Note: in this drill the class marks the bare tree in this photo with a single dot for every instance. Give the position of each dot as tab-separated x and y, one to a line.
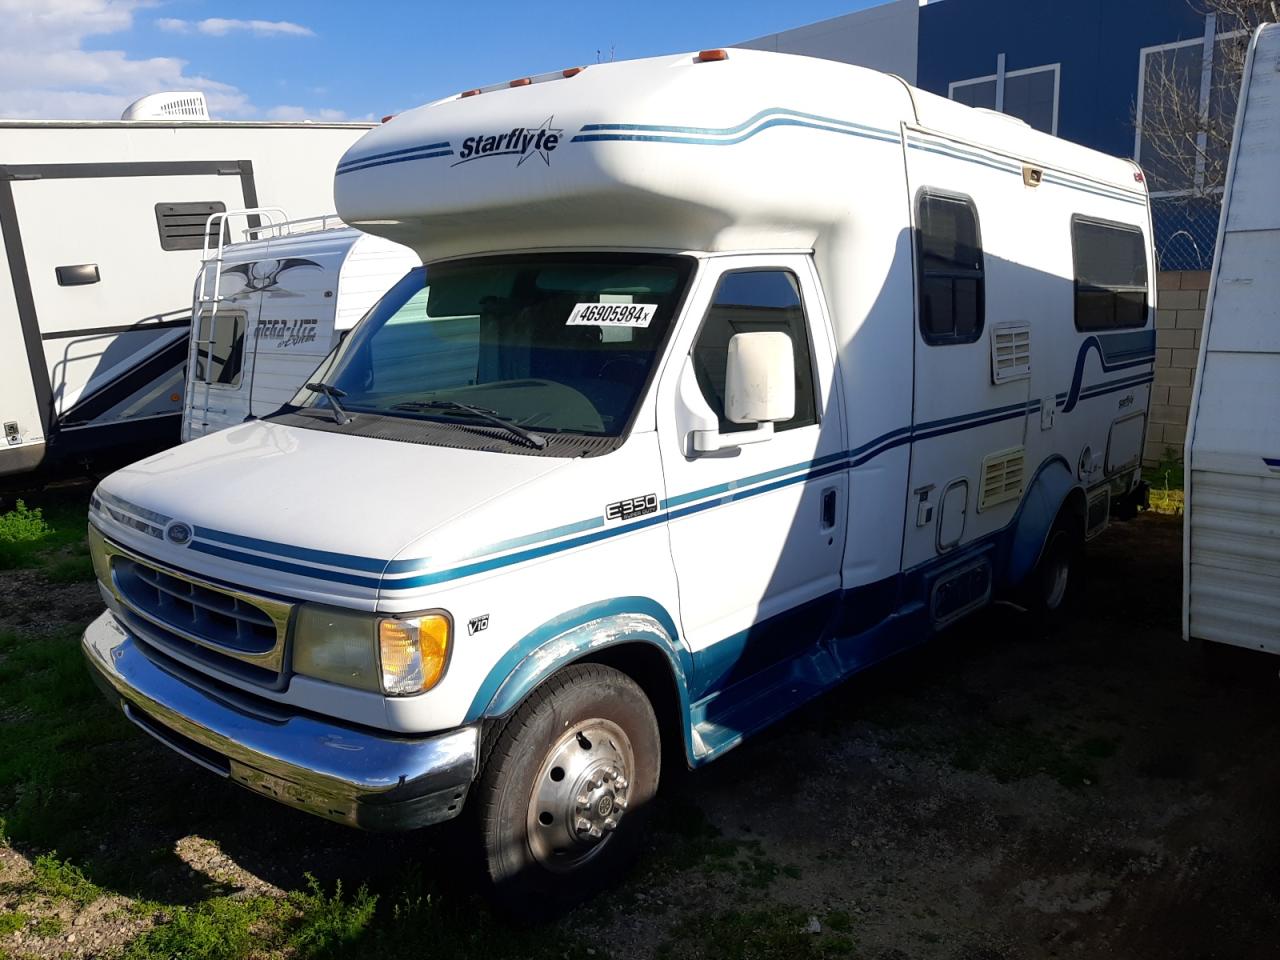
1189	100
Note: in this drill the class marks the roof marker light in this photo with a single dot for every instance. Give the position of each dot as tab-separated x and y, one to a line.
522	82
1139	177
572	72
389	116
711	56
469	93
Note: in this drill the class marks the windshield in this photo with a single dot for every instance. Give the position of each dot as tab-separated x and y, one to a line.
556	343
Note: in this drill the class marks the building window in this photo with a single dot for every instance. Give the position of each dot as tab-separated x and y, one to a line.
1185	109
1110	275
949	269
1030	95
748	301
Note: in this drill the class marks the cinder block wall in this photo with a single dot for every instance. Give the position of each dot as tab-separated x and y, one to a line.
1180	300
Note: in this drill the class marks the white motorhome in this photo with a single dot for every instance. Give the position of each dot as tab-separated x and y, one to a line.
1231	561
102	228
272	307
725	376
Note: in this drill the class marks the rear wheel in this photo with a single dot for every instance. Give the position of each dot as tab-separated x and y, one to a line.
1050	587
564	789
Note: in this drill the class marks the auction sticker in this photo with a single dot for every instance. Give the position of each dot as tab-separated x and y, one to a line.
612	314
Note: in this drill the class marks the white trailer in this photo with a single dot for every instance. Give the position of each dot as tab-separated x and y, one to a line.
1231	550
102	229
272	307
724	377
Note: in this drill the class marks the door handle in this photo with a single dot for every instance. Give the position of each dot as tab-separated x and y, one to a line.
828	508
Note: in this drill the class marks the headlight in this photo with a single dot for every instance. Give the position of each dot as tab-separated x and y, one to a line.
399	656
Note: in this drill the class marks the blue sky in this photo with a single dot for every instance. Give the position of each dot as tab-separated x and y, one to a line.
293	60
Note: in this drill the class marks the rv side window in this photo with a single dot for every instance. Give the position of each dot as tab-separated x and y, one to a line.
220	352
950	269
754	300
1111	275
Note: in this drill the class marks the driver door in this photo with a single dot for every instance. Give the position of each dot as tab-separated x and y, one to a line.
757	530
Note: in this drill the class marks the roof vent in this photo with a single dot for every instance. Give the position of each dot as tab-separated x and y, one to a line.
173	105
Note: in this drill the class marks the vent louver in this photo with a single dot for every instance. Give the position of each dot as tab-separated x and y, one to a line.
1010	352
1003	474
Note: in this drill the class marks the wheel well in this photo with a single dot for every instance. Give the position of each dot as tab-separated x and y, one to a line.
647	666
1073	511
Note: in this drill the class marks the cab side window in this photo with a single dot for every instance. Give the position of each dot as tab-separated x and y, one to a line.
748	301
949	265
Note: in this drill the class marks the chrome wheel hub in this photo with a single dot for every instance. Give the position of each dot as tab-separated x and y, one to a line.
1056	588
580	794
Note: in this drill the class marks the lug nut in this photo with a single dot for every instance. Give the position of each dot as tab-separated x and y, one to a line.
583	825
610	823
596	833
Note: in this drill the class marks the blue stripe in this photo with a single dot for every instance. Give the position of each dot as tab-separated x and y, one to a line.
383	163
729	131
1126	345
1274	464
354	161
777	122
967	157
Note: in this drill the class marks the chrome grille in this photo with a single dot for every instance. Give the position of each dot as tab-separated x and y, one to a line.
228	630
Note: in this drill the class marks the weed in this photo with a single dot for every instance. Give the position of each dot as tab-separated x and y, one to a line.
224	928
22	530
77	569
329	922
840	921
11	921
61	880
49	927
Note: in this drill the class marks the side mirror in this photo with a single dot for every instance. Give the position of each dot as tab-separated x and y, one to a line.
760	388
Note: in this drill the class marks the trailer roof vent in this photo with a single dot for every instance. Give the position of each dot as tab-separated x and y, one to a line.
174	105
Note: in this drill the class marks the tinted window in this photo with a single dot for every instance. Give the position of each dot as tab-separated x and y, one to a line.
949	261
747	301
1111	275
220	350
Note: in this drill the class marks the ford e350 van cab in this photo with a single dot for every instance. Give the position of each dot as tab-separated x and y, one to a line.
725	376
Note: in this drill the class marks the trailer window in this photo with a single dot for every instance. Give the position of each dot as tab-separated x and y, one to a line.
220	348
1110	275
745	301
949	265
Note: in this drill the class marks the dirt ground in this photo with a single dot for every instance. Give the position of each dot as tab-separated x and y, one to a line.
1102	790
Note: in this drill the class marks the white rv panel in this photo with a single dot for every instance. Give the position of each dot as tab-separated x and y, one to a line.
1231	574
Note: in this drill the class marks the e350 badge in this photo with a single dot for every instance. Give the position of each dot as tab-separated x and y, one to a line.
632	507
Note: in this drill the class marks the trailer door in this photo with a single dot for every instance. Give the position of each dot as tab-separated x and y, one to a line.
108	254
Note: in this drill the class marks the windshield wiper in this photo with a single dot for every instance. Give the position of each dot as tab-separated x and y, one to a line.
333	394
537	441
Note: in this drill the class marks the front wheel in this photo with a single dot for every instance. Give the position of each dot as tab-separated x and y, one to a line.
564	789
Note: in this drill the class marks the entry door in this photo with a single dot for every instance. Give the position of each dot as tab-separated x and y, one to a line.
757	531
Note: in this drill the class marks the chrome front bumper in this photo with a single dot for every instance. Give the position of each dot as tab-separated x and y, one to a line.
358	777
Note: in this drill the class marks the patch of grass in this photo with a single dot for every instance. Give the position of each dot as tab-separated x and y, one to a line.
49	927
61	880
75	569
759	934
23	531
224	928
328	922
1012	751
53	721
12	920
840	921
1166	480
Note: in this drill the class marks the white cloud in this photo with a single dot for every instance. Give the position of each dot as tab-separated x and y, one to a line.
46	72
219	27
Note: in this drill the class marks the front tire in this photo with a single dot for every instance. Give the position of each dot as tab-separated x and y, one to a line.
564	790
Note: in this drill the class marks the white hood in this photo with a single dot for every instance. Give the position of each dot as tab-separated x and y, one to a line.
302	504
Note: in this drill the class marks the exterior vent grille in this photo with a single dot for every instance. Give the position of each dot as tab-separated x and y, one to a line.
1003	474
182	225
1010	352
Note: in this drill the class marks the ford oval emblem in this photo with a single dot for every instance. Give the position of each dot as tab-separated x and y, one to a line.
178	533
